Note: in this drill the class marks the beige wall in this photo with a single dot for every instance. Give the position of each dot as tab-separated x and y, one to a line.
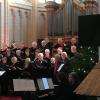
19	22
2	23
23	21
15	22
40	20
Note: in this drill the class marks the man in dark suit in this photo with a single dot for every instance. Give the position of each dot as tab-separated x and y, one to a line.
41	65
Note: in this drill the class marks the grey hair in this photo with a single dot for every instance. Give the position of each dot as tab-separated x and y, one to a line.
34	43
47	50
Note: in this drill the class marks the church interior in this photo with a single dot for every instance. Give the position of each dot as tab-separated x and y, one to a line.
47	48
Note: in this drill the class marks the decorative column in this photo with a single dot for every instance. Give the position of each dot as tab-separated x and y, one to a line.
46	24
5	22
64	20
27	27
73	5
91	6
20	24
13	24
51	7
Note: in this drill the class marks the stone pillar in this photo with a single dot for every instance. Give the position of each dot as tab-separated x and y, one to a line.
64	20
34	20
46	24
27	27
73	5
2	23
5	22
13	23
20	24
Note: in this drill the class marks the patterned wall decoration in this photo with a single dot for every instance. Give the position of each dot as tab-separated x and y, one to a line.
19	24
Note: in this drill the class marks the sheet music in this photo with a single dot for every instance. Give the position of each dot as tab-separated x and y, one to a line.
60	67
24	85
2	72
45	83
50	82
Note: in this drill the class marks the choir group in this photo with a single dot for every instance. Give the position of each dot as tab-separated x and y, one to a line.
40	60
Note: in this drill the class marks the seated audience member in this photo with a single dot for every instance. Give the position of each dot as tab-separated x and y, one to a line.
67	86
73	83
63	91
73	79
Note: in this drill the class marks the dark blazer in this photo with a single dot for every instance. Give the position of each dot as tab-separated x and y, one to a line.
66	67
41	67
15	70
65	90
32	51
27	71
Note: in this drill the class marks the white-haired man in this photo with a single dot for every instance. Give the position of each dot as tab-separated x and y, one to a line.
41	65
33	49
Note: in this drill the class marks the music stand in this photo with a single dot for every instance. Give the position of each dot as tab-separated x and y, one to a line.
60	67
50	82
45	84
24	85
2	72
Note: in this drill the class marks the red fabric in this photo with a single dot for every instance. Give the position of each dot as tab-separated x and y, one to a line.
21	46
10	98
